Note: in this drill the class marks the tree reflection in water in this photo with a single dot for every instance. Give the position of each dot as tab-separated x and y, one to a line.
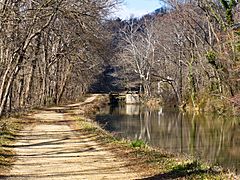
212	138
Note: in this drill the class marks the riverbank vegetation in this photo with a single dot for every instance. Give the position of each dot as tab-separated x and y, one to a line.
186	53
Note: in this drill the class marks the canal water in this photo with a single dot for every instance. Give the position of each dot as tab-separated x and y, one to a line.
214	139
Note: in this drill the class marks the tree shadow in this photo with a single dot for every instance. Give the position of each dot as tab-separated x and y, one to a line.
181	171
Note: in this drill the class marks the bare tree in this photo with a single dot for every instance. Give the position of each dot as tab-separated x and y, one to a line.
41	41
139	51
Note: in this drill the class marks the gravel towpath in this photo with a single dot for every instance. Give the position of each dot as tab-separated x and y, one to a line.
51	149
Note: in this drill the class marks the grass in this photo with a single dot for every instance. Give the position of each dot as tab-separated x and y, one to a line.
138	143
153	162
8	129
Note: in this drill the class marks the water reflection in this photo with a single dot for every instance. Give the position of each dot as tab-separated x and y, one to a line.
212	138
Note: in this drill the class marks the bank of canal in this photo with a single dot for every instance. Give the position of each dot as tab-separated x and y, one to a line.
211	138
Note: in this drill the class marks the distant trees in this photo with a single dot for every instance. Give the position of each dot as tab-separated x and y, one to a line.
185	53
49	50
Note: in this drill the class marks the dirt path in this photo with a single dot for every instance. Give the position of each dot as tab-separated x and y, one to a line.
51	149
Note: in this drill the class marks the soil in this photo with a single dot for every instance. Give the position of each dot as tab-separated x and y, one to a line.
50	147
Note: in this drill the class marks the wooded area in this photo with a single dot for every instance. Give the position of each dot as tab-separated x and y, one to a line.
187	52
54	51
50	51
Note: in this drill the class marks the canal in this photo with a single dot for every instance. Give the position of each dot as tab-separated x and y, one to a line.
211	138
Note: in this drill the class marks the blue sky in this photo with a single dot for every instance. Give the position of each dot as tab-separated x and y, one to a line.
137	8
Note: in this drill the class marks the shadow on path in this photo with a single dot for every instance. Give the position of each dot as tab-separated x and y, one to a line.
50	148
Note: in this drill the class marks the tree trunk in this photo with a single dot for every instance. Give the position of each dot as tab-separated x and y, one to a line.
7	91
63	85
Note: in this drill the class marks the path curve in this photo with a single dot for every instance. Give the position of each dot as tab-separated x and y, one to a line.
51	149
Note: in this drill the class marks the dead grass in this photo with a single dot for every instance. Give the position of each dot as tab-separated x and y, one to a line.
8	130
92	108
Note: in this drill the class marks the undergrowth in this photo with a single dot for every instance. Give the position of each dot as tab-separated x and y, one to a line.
138	143
8	129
